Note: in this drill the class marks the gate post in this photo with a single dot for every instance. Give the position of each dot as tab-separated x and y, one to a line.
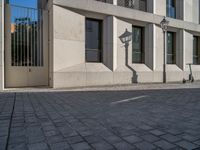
1	45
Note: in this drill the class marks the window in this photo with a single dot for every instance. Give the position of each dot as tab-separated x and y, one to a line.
171	8
134	4
196	51
143	5
93	40
106	1
171	48
138	45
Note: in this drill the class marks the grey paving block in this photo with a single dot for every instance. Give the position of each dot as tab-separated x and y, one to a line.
124	146
187	145
175	131
60	146
145	146
132	139
93	139
20	146
80	146
17	140
197	142
157	132
150	138
55	139
189	137
164	144
145	127
102	146
171	138
75	139
51	133
113	139
38	146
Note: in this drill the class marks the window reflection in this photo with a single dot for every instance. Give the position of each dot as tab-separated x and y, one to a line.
171	48
138	45
171	8
196	51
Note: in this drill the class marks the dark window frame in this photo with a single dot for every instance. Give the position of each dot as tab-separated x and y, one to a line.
173	54
100	32
142	45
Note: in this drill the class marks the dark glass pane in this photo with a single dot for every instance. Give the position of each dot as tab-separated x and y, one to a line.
143	5
137	45
93	56
93	40
137	57
171	48
195	50
171	9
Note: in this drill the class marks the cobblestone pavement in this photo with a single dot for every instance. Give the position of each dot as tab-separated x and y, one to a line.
101	120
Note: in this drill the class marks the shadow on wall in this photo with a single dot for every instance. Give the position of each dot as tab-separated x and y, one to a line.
125	38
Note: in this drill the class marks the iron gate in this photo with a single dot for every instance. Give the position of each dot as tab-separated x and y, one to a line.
26	47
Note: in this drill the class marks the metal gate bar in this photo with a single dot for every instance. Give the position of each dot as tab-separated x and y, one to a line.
26	36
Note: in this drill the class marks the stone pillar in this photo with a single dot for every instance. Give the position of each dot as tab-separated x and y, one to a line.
188	9
110	42
160	7
149	46
180	48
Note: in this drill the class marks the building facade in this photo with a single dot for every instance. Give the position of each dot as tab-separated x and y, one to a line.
81	43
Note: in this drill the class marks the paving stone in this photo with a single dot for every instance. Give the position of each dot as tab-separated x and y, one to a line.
187	145
38	146
164	144
157	132
145	127
132	139
55	117
2	146
55	139
60	146
171	138
189	137
75	139
113	139
51	133
19	146
197	142
174	131
150	138
35	139
16	140
145	146
93	139
124	146
102	146
80	146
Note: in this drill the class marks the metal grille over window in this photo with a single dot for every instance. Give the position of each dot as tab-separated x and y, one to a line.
26	35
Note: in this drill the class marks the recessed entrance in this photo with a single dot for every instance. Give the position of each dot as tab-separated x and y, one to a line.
26	46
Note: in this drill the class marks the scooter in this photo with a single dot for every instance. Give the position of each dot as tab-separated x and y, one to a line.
191	78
